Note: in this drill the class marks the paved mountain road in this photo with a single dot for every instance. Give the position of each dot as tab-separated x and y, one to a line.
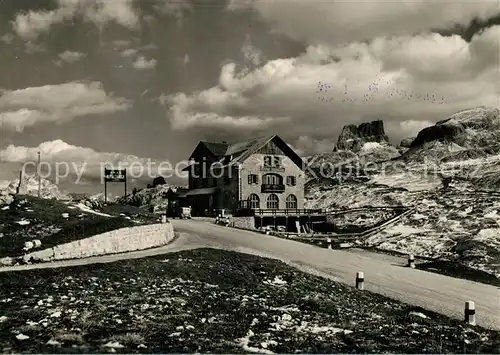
383	274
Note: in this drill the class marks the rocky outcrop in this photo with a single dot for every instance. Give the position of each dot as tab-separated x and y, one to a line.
354	137
407	142
471	128
468	134
448	132
28	185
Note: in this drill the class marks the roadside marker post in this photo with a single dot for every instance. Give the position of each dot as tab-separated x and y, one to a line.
470	313
411	261
329	243
360	279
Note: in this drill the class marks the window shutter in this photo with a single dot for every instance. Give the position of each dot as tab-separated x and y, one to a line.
250	179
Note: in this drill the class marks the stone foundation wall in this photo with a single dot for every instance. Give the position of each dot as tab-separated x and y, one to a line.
244	222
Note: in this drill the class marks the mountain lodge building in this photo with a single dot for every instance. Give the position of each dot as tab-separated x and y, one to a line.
259	174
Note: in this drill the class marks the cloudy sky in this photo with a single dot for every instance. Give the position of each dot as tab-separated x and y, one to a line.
87	81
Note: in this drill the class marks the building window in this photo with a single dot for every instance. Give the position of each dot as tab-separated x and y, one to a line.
253	201
268	161
272	161
272	179
291	180
273	202
291	202
277	162
253	179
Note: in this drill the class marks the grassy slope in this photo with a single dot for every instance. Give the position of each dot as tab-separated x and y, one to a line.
212	301
46	223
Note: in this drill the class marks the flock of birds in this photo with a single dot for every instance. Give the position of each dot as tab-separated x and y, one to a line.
373	91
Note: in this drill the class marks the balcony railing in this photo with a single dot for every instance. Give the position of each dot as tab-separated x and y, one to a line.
272	188
272	168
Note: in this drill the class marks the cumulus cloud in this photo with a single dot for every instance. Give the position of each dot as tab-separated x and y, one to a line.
74	159
70	57
143	63
175	8
305	145
129	52
338	22
250	53
408	81
31	24
7	38
55	103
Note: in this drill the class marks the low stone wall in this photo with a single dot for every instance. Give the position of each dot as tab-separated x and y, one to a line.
244	222
116	241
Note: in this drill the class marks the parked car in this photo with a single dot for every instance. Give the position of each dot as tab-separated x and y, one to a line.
185	213
176	211
223	220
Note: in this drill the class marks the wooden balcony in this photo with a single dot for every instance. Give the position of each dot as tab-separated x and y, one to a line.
272	169
244	209
268	188
288	212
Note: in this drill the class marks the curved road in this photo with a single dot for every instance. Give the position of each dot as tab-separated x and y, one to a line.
383	274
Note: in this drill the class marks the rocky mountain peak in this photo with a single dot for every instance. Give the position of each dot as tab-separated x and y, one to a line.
354	137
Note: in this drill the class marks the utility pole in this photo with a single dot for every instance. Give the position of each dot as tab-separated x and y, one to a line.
38	172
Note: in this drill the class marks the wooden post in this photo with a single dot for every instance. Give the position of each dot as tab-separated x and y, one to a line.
105	192
411	261
125	171
360	279
18	188
39	176
470	313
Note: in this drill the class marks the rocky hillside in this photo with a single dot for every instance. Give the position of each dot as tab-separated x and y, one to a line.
357	147
468	134
155	197
463	147
29	186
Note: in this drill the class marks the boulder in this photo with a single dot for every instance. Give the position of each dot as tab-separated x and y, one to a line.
354	137
6	198
406	142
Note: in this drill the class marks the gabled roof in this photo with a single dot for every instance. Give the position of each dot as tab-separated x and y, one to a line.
217	149
242	151
210	149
